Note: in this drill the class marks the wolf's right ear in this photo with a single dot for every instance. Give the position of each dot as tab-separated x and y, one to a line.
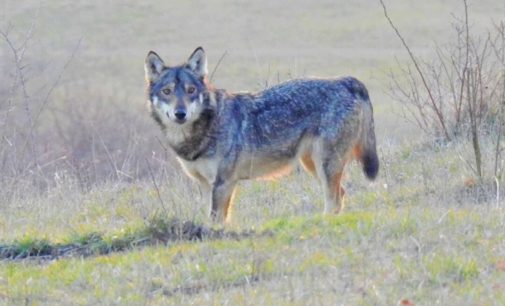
198	62
153	66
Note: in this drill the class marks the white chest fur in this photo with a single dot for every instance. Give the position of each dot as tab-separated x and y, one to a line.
203	170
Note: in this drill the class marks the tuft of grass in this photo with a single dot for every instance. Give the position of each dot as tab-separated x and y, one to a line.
448	269
26	247
158	229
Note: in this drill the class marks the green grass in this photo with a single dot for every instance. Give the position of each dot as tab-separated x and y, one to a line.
412	239
381	255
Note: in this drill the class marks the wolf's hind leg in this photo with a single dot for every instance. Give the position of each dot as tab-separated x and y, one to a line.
222	197
334	193
330	159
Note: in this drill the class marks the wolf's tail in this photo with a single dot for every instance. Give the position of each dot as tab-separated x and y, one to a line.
368	153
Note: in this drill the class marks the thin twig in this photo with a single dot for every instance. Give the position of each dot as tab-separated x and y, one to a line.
56	82
109	157
217	65
156	187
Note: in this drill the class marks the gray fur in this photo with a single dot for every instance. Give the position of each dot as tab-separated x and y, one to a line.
230	137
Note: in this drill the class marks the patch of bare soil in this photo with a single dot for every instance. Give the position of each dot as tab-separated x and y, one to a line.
158	231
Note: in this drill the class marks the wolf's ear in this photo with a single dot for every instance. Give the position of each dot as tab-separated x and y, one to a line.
198	62
153	66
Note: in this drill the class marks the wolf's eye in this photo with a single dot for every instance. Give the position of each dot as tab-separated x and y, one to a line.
190	89
167	91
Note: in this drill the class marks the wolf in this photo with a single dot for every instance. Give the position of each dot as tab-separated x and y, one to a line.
221	138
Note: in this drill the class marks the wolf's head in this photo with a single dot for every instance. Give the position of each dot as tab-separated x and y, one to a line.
177	94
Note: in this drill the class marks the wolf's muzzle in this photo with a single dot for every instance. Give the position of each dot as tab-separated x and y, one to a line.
180	114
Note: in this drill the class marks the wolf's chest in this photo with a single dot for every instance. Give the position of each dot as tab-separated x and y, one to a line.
203	170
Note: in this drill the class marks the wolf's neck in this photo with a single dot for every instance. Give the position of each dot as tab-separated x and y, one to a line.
196	139
199	139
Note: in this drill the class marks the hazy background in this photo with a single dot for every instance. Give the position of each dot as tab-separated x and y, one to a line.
78	117
265	41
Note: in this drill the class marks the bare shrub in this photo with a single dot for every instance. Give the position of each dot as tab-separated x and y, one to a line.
18	110
460	92
52	133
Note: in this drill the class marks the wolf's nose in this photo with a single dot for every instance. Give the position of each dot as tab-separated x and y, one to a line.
180	114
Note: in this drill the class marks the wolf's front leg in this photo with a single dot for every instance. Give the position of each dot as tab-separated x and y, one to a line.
222	196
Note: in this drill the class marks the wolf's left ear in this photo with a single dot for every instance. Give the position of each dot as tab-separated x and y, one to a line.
198	62
153	66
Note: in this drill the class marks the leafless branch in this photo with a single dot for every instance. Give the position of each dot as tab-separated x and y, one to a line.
156	187
56	82
439	115
217	65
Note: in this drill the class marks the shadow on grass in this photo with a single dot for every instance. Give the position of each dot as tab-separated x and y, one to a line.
157	231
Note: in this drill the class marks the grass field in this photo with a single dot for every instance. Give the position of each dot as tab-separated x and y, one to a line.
411	240
108	218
